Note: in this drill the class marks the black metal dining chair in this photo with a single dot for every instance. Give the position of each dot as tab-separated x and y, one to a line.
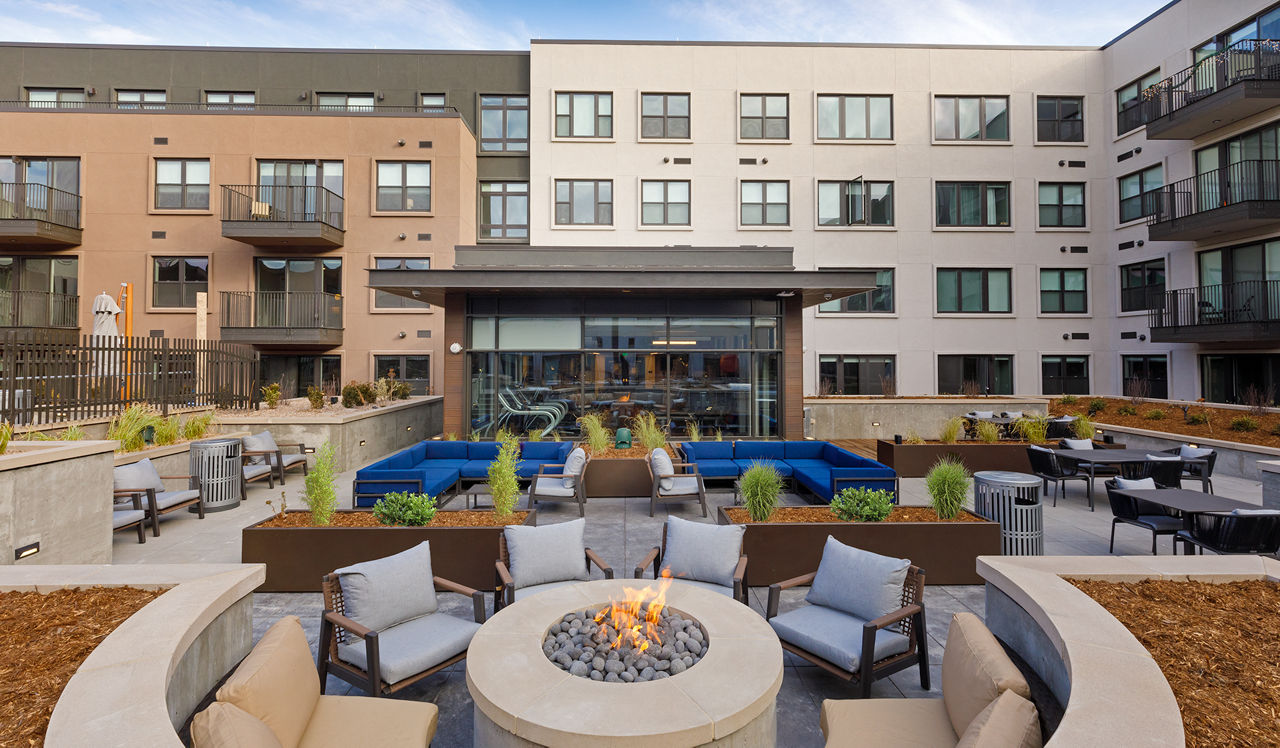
1167	473
1202	472
1049	469
1230	533
1153	517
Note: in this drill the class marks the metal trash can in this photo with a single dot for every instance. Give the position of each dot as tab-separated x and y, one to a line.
216	468
1013	500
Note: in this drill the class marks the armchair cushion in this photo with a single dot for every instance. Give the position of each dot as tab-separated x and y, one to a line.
1078	443
418	644
709	586
359	720
122	517
262	442
550	553
166	499
863	584
975	670
252	471
702	551
523	592
1136	483
573	466
141	474
550	485
1009	721
684	486
663	468
386	591
886	722
225	725
277	683
834	635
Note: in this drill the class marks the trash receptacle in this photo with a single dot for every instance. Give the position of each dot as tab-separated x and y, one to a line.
1013	500
216	468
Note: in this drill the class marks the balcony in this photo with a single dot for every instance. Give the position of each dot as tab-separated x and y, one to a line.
304	216
1243	312
1237	82
38	215
1235	201
39	310
282	319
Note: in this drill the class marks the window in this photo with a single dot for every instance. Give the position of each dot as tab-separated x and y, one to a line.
992	375
432	101
182	184
843	117
973	203
230	99
765	204
55	98
974	290
1061	204
855	375
504	123
140	99
664	115
404	185
971	118
879	300
664	203
855	203
1128	98
350	102
584	202
52	296
1059	119
175	281
1064	291
384	300
763	116
1142	286
415	370
1149	374
504	210
1140	192
1064	375
584	115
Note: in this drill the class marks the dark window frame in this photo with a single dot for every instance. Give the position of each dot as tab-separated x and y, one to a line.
882	295
505	228
1138	298
402	187
841	363
400	367
1068	384
982	119
597	202
1158	387
666	117
1060	207
1146	197
984	363
851	206
983	217
843	126
186	193
667	202
764	202
1136	86
1061	293
986	290
388	301
764	118
509	103
1063	128
597	117
182	283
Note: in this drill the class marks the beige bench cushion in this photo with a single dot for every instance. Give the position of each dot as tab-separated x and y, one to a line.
346	721
226	726
277	682
975	670
887	723
1008	722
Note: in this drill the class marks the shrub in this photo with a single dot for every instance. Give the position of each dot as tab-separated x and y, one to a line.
367	393
195	427
1197	419
987	432
75	433
534	435
315	396
597	436
351	396
951	430
1258	399
1155	414
474	436
1244	423
401	390
948	484
970	388
36	436
862	504
556	436
1035	429
502	475
646	431
6	433
381	390
760	485
319	492
127	427
451	436
1096	406
405	509
1082	428
1068	399
719	435
271	395
1127	410
912	437
691	431
168	430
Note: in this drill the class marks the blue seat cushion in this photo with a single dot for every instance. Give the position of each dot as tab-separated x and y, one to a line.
718	468
482	450
784	469
545	451
833	635
759	450
475	468
430	464
798	465
699	451
446	450
434	482
802	450
816	479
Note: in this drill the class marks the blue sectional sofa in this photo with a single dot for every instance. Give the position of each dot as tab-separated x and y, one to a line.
821	467
440	467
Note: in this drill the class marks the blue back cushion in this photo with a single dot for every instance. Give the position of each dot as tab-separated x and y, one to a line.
843	457
418	452
545	451
708	450
446	450
399	460
758	450
803	450
482	450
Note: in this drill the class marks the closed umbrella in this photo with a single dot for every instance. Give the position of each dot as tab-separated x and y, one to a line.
105	333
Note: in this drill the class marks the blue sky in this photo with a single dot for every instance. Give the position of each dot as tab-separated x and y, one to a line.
509	24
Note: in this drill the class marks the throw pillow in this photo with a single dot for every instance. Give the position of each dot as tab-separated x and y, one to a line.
1136	484
701	551
139	475
1078	443
386	591
277	681
1255	512
550	553
263	442
1193	453
663	468
863	584
1008	722
1164	457
984	414
225	725
573	466
1012	414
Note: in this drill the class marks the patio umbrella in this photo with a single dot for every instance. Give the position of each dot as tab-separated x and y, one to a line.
105	333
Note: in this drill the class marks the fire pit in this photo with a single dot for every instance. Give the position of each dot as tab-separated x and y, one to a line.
525	695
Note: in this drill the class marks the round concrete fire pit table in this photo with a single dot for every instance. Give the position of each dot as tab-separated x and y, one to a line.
725	699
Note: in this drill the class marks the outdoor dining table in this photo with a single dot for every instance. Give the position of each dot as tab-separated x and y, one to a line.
1090	459
1187	503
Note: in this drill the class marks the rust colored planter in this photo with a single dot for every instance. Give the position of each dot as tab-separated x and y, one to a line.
613	477
297	558
914	460
947	551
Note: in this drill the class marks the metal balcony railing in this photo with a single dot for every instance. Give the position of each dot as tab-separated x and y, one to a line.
28	201
39	309
1223	304
1248	59
310	310
281	204
178	106
1235	183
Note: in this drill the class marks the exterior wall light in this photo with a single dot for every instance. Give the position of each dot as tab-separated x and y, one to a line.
30	549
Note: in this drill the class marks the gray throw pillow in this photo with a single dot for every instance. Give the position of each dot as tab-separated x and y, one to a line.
1136	484
386	591
984	413
702	551
141	474
1194	453
1078	443
550	553
863	584
573	465
1163	458
263	442
1254	512
663	468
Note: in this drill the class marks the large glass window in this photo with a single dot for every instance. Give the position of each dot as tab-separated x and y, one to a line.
846	117
664	115
879	300
504	123
175	281
763	117
298	292
992	375
432	101
1139	193
504	210
1142	286
240	100
584	115
765	203
1059	119
974	290
1061	204
412	369
1149	374
972	204
404	186
38	291
664	203
855	203
384	300
349	102
971	118
182	183
1064	291
1064	375
55	98
584	202
1128	99
855	375
141	99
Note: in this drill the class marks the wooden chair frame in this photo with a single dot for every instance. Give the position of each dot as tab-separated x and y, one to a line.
153	511
656	553
907	620
690	471
505	592
335	628
579	488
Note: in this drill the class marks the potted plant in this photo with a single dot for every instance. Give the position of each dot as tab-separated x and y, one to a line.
948	483
760	485
614	472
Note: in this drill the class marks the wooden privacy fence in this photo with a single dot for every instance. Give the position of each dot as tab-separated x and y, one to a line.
47	380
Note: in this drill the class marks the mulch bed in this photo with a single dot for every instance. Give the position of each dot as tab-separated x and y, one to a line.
43	639
1174	422
1218	646
461	518
614	452
823	514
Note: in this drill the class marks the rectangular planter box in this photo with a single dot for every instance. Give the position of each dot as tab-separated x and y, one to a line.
297	558
615	477
947	551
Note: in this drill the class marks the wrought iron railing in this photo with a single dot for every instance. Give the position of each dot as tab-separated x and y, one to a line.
1222	304
281	204
1248	59
28	201
1235	183
39	309
310	310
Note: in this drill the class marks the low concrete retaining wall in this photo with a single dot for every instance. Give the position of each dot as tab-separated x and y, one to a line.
881	418
57	494
174	459
1234	459
358	438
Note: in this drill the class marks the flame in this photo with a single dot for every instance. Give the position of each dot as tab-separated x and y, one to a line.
626	398
636	616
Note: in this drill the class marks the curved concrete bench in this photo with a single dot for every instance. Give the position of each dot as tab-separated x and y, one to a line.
146	677
1112	690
